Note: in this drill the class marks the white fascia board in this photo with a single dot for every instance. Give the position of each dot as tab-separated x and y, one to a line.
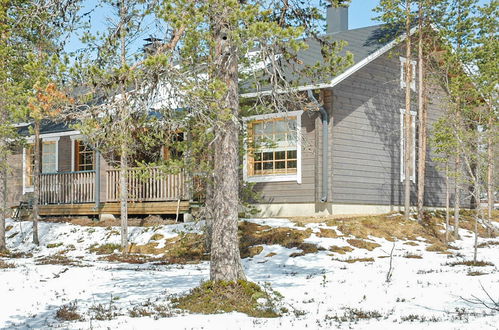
47	136
335	81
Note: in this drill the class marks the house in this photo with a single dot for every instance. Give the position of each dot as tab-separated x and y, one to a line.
345	159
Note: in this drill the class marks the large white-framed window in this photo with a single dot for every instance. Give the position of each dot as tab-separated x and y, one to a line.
273	147
403	70
403	145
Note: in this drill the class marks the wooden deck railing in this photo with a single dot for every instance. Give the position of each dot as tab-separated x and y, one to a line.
147	185
67	187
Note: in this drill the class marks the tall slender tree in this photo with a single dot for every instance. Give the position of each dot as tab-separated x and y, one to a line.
207	58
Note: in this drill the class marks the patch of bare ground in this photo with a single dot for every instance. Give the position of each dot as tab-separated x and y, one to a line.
478	263
251	234
57	259
412	256
352	260
5	265
488	244
363	244
340	249
327	233
476	273
217	297
107	248
15	255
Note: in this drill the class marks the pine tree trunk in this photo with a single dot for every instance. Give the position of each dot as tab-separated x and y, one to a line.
407	118
225	257
3	198
124	198
457	197
422	145
447	203
36	183
490	170
124	148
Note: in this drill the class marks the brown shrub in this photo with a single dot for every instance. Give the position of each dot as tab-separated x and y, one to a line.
68	312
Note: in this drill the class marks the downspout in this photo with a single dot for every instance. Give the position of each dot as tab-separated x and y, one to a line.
325	146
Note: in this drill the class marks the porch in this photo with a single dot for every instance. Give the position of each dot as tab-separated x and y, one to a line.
93	192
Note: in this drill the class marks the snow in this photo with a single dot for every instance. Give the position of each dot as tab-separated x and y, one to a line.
317	288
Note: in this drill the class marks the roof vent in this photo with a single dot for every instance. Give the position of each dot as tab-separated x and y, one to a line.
337	19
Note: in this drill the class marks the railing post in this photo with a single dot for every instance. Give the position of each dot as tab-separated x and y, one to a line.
97	179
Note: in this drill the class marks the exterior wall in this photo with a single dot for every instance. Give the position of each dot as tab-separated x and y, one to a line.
15	178
292	192
364	147
366	138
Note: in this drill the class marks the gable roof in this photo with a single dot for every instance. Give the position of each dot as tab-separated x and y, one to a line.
366	44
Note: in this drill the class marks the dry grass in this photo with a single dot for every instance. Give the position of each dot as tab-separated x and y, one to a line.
352	260
363	244
488	244
58	259
9	227
340	249
251	234
327	233
476	273
157	237
5	265
130	258
412	256
107	248
89	222
219	297
15	255
53	245
411	243
471	263
68	312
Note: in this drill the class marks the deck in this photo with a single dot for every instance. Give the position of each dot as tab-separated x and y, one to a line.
153	208
150	191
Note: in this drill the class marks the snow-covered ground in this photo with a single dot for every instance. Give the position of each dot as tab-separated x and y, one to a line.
320	291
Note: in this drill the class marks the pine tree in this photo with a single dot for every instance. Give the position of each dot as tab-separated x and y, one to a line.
205	59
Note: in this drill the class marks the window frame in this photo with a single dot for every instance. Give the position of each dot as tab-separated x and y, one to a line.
275	177
403	60
402	144
27	157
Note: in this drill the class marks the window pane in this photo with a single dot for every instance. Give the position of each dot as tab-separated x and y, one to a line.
280	155
292	154
268	156
280	165
292	164
268	166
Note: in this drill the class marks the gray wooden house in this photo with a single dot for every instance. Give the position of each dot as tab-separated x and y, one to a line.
345	159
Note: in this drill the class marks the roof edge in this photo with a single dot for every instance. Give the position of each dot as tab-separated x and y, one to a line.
336	80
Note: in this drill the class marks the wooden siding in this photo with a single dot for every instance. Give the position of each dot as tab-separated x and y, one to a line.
293	192
366	138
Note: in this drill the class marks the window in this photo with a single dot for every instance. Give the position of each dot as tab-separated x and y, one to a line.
84	156
403	62
403	145
49	157
273	148
29	165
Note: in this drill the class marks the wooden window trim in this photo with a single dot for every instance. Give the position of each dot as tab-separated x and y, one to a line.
78	166
249	161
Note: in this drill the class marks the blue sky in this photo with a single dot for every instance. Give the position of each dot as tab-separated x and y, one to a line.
360	15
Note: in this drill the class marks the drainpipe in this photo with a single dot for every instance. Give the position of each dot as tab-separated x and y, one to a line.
97	180
325	146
